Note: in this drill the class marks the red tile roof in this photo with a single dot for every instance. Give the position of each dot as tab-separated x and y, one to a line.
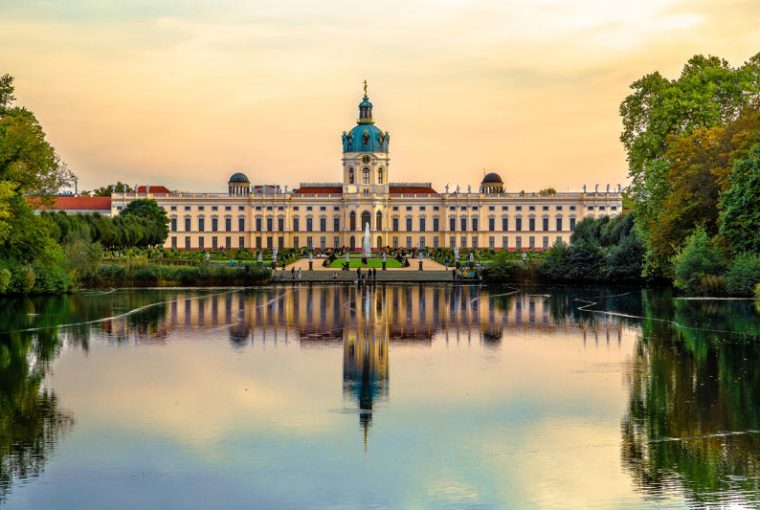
75	204
319	189
412	189
153	189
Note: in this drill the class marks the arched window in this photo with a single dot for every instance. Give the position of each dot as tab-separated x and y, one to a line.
380	175
365	175
352	242
366	219
350	175
352	221
379	242
379	221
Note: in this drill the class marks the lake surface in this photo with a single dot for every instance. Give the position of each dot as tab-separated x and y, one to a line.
398	396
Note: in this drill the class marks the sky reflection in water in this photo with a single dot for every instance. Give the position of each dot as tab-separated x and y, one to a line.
393	397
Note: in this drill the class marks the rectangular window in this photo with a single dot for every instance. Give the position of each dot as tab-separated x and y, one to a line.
546	242
309	225
322	225
491	224
214	243
336	225
463	222
336	242
409	242
452	224
422	241
464	242
531	242
269	242
504	224
518	242
409	225
280	224
435	225
201	242
188	228
201	224
295	224
435	242
280	242
452	242
474	241
559	224
296	242
475	224
422	224
504	242
492	242
174	242
258	242
174	224
227	224
214	224
395	224
572	223
395	241
518	224
545	224
241	224
187	242
270	225
241	242
322	242
258	224
532	224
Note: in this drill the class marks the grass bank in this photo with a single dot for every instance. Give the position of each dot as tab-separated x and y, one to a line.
155	275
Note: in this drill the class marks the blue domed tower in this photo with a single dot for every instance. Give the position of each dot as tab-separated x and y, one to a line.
365	153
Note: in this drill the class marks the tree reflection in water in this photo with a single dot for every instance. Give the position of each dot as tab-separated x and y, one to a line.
693	419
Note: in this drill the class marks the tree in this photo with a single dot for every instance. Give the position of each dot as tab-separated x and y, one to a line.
680	137
154	220
740	205
697	261
105	191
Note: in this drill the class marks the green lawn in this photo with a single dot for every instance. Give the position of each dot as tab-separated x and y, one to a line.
357	262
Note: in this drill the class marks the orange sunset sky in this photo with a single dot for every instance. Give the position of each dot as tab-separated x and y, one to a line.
183	93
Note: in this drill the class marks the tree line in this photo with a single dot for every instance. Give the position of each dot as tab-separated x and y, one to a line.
693	150
49	252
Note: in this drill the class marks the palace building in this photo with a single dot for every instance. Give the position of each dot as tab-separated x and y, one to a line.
328	215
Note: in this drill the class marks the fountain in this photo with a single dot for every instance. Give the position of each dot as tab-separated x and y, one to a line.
366	243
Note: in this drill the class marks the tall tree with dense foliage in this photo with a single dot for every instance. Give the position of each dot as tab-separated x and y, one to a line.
740	205
681	137
156	222
28	166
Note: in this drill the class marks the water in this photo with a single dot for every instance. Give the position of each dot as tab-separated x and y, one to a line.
394	397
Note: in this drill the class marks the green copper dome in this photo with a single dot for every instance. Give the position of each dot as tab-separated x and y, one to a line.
365	136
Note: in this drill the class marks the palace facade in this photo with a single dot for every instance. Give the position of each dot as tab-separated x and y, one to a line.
328	215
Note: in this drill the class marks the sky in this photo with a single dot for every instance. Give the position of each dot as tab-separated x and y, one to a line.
185	92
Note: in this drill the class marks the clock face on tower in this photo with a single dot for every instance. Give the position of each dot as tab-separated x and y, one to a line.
365	159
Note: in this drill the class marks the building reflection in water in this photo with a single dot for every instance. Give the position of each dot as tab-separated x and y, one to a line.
366	321
365	353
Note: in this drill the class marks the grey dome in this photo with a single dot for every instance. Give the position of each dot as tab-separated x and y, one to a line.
239	177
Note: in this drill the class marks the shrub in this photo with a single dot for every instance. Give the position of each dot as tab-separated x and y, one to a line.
757	291
698	258
743	275
585	261
5	280
625	260
553	267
